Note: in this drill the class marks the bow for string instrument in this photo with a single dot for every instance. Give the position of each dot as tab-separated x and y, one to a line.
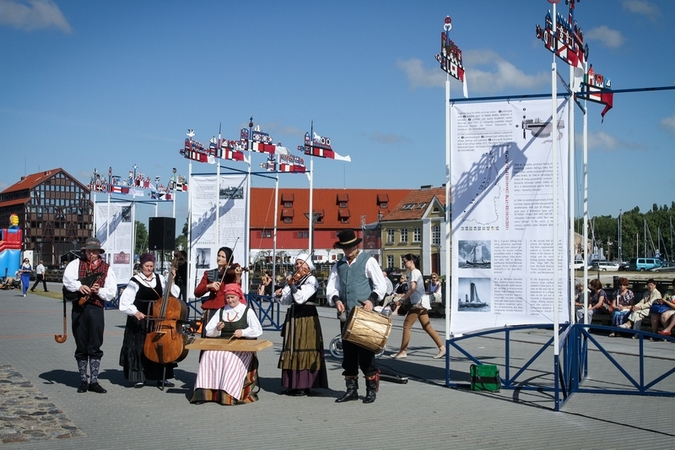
166	342
76	296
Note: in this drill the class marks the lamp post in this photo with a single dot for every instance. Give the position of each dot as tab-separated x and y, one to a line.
619	241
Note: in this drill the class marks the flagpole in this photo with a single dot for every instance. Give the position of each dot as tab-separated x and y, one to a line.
188	244
175	191
311	194
274	236
554	134
107	222
448	209
217	196
133	235
571	253
585	232
247	230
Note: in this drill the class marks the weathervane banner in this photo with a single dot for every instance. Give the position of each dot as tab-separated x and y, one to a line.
320	146
450	57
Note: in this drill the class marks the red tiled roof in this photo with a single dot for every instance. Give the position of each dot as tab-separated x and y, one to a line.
16	201
417	197
361	202
34	179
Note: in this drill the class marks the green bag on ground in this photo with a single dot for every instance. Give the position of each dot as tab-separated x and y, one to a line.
485	377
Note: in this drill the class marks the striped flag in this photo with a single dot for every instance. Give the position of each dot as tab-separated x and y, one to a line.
119	189
321	147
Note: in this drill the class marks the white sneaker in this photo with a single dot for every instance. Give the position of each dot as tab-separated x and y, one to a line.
624	325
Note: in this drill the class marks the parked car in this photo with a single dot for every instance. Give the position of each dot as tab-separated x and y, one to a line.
642	264
578	264
605	266
624	265
666	266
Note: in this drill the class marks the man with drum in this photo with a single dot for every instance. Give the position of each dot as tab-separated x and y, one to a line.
354	281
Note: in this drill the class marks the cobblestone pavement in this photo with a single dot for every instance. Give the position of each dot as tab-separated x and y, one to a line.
423	413
26	414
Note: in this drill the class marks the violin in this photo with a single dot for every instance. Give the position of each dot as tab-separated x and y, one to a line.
301	273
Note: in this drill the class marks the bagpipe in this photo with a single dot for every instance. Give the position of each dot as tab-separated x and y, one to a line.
69	296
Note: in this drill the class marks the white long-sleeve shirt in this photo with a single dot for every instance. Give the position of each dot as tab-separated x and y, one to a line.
302	294
107	292
129	294
253	330
373	272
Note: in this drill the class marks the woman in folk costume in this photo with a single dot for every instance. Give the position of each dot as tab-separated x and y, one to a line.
301	362
225	377
213	283
143	288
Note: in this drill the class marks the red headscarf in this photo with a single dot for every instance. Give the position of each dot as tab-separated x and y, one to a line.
233	288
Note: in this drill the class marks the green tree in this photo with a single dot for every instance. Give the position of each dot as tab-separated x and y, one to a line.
141	238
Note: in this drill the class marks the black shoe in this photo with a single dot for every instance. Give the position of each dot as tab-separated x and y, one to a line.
95	387
348	396
139	385
370	397
298	392
166	383
46	290
84	386
32	290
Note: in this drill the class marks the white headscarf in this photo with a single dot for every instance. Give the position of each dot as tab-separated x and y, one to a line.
305	257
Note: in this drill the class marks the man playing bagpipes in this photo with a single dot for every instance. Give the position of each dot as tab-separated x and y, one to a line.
89	282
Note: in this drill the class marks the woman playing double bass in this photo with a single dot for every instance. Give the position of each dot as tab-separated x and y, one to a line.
143	288
213	282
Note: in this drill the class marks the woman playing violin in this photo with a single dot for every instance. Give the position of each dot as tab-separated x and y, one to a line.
213	282
301	362
143	288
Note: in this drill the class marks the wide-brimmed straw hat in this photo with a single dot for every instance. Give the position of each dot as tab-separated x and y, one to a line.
347	239
93	244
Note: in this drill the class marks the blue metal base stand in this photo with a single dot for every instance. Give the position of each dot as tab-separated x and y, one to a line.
570	364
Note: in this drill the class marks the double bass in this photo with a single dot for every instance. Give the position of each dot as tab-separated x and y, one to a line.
165	342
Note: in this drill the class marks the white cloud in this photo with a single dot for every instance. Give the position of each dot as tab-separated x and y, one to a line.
419	76
487	72
607	36
604	142
669	124
642	7
32	15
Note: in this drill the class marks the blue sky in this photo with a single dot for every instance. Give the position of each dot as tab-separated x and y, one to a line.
92	84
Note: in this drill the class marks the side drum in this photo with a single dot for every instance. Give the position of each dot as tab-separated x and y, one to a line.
367	329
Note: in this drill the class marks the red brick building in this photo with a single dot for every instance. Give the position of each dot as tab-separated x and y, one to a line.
335	210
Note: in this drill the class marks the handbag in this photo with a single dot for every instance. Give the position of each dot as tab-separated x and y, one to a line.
659	308
485	377
423	303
